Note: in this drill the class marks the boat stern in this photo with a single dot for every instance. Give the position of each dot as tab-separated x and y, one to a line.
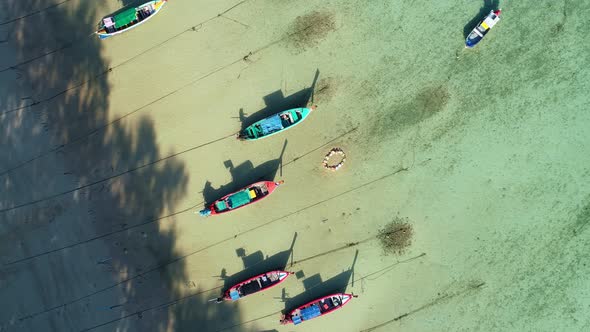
244	135
234	295
472	40
285	319
205	212
248	134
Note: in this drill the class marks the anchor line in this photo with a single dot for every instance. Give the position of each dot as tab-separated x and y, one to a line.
108	70
160	218
387	269
151	163
103	127
177	301
177	259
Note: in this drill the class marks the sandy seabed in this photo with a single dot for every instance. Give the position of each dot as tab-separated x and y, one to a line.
110	147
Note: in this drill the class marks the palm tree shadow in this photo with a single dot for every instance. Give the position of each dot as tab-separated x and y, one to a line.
276	102
316	288
487	6
243	175
107	210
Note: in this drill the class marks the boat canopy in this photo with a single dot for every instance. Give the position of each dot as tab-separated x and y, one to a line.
220	206
253	131
250	288
310	312
296	113
239	199
125	17
490	21
271	125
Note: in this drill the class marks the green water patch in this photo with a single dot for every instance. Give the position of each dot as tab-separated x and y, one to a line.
310	29
545	270
519	55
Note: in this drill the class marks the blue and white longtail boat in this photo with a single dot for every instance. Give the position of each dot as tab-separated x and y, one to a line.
275	124
483	28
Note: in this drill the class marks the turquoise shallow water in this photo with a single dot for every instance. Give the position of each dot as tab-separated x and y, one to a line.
483	151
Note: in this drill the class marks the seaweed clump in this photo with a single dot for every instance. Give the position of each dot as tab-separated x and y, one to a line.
308	30
396	236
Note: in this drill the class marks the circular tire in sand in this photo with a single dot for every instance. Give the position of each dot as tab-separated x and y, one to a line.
334	167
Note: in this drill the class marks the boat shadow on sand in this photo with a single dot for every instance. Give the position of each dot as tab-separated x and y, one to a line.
126	5
243	175
487	6
276	102
316	288
256	263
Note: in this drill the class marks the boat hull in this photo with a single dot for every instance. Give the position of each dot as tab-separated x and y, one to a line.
317	308
157	5
482	29
261	282
274	124
260	190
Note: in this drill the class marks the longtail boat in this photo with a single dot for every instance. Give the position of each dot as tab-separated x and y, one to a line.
253	285
245	196
483	28
128	19
317	308
275	124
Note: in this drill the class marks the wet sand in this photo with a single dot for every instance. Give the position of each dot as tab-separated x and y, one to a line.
484	152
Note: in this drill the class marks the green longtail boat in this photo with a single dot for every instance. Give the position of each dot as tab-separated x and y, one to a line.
128	19
275	123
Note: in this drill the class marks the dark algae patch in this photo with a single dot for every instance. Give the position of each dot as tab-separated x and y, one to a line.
310	29
583	218
431	101
325	89
428	102
396	236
